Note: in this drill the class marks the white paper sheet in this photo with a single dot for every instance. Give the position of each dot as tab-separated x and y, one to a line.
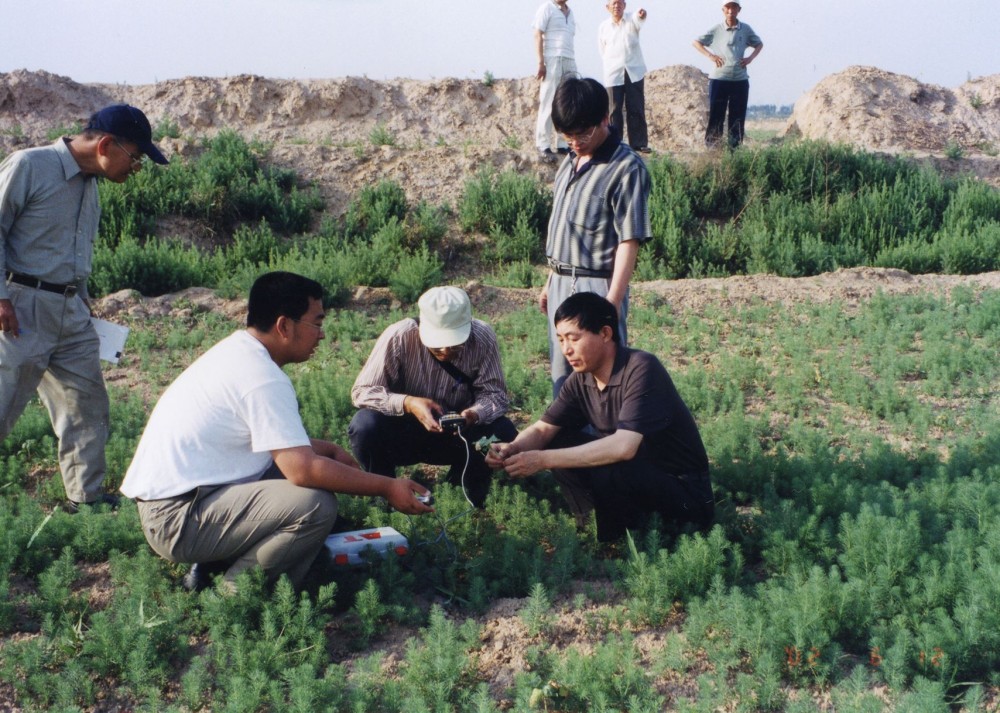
113	338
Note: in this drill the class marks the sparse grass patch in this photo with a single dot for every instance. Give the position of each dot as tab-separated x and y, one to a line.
381	136
166	128
512	142
57	132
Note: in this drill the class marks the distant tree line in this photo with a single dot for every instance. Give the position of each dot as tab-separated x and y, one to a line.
769	111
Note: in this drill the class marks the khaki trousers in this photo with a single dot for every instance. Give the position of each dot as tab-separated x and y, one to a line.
555	69
57	355
270	523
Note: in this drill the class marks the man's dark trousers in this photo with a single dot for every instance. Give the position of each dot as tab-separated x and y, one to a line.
632	96
381	443
622	494
723	96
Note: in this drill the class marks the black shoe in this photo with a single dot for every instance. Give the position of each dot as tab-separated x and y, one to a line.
644	149
562	150
200	575
112	501
546	155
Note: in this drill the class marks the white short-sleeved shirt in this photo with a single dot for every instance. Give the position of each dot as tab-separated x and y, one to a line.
620	51
557	28
217	423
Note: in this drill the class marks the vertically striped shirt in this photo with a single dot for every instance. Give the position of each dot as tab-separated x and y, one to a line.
601	205
400	366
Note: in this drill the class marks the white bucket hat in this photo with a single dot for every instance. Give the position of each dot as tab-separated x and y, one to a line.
445	317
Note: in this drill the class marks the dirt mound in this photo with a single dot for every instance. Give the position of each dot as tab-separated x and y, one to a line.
875	109
436	135
337	112
849	286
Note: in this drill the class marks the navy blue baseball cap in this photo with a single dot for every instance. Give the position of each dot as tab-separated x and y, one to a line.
127	122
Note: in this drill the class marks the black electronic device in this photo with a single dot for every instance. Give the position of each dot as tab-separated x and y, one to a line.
451	422
425	498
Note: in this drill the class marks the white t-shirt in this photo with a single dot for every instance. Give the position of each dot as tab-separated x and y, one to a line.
620	51
217	423
557	28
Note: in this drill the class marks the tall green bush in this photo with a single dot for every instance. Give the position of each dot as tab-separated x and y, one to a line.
808	207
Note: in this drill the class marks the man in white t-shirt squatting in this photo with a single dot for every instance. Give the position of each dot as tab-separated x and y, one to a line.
225	473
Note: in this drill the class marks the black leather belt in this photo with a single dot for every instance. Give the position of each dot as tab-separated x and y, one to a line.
561	268
691	477
67	290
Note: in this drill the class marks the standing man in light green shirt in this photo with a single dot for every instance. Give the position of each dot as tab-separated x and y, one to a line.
728	82
49	214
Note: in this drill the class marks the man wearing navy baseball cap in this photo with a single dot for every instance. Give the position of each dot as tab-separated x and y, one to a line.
128	124
48	224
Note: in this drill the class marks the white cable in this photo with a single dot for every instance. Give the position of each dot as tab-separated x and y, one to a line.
468	455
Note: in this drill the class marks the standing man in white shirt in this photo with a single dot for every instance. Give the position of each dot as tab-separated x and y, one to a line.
554	28
624	70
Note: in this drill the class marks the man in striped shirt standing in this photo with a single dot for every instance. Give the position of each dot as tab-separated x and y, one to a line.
420	369
600	212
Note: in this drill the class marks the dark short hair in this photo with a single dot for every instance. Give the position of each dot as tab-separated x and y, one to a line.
280	294
590	311
578	105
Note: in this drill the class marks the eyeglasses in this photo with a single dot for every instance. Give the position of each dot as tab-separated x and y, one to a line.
580	138
136	160
311	324
447	351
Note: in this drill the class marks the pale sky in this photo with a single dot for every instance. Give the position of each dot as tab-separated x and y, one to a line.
140	42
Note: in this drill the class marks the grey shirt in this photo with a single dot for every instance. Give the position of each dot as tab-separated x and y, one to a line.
49	214
731	44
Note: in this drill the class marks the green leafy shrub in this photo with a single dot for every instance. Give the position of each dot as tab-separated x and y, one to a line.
807	207
154	267
415	273
682	574
225	185
522	244
497	202
437	669
374	208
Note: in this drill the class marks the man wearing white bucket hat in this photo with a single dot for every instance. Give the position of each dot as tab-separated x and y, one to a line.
420	370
